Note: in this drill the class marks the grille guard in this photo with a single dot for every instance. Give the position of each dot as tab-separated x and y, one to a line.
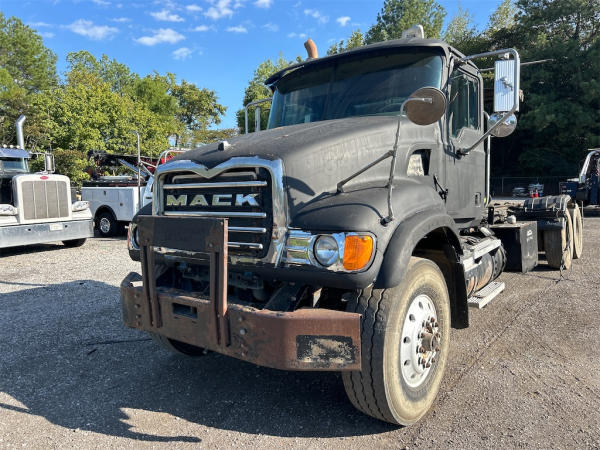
305	339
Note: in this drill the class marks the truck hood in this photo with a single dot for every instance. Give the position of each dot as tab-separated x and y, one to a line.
316	156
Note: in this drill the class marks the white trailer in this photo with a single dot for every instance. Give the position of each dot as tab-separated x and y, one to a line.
37	207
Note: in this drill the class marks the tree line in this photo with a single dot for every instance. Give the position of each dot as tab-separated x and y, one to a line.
560	116
98	103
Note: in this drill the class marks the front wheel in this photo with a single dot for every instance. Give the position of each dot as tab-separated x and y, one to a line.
178	347
405	333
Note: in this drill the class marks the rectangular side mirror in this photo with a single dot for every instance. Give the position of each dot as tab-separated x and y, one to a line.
506	85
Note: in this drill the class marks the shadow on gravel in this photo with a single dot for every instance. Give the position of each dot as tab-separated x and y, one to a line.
50	247
24	250
67	357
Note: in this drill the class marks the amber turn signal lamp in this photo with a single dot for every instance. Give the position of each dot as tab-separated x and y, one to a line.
357	252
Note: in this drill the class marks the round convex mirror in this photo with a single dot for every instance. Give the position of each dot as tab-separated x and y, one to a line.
505	128
427	107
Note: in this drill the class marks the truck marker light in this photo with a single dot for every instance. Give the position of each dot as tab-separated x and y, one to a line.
357	251
44	177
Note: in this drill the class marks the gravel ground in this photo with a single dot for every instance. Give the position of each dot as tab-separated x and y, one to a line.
525	374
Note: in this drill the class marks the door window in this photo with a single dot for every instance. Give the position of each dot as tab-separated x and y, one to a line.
463	111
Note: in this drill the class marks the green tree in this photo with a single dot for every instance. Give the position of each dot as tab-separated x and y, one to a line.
461	33
197	108
503	18
355	40
397	16
27	68
257	90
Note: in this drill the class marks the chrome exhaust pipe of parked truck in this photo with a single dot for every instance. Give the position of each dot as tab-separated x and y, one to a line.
19	125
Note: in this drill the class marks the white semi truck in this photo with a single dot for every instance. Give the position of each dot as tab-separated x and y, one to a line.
37	207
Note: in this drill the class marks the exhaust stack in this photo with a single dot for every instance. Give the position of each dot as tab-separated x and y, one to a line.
19	125
311	49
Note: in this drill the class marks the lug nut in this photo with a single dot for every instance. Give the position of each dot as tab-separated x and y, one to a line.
437	349
421	349
428	365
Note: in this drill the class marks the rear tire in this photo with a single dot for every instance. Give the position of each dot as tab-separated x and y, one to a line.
558	245
392	385
178	347
577	220
107	224
74	242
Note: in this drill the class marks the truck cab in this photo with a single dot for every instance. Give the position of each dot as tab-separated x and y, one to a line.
350	235
37	207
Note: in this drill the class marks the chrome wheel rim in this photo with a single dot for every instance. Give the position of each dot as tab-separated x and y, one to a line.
104	225
420	341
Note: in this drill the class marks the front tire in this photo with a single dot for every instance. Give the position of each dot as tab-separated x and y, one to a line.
178	347
405	333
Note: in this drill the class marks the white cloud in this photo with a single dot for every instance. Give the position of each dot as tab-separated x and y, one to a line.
193	8
220	9
38	24
263	3
160	36
182	53
95	32
166	16
238	29
316	15
271	26
343	21
121	19
46	34
202	28
101	2
297	35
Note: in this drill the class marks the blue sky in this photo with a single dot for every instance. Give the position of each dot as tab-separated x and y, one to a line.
216	44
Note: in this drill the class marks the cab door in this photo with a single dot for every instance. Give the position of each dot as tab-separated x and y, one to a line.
465	174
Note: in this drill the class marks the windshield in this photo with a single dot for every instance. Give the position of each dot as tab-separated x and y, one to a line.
357	86
13	165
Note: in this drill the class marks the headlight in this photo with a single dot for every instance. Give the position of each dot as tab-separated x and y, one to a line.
326	250
80	205
335	252
8	210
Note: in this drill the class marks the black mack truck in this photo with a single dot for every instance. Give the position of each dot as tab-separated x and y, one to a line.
352	233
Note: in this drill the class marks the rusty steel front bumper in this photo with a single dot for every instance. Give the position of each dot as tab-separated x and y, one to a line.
305	339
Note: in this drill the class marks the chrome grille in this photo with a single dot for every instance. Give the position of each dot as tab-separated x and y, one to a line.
229	194
44	199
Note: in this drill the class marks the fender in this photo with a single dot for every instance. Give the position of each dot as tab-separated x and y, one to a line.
402	246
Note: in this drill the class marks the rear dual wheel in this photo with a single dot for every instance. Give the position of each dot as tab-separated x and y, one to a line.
405	339
577	221
558	245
